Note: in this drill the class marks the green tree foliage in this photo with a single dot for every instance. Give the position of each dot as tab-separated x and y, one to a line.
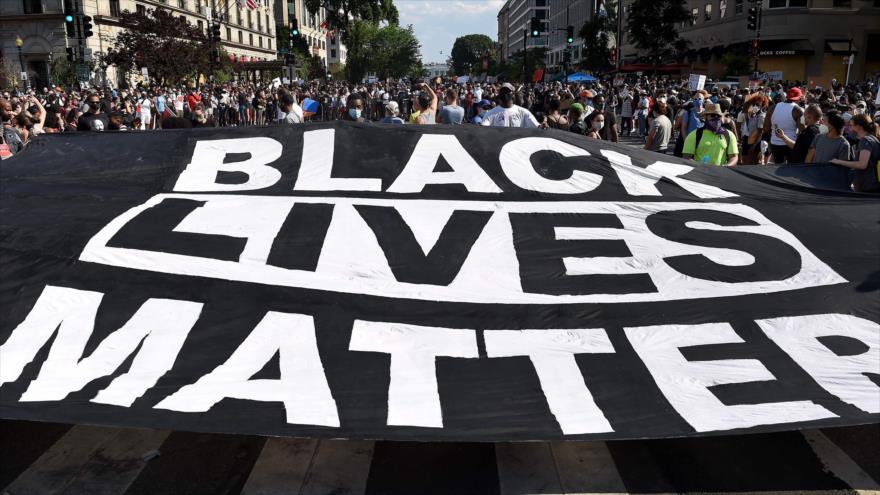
513	69
598	34
146	40
736	63
653	28
389	51
468	52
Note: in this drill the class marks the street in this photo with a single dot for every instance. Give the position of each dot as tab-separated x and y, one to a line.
48	458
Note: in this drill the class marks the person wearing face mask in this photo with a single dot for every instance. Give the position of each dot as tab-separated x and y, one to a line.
354	108
595	123
661	129
712	144
609	131
830	145
94	119
752	126
785	116
801	146
866	166
626	111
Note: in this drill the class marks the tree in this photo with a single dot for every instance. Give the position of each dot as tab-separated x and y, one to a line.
395	52
172	48
599	34
736	63
535	57
653	28
468	52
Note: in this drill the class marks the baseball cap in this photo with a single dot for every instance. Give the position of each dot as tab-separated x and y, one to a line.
794	94
508	86
392	107
484	103
577	107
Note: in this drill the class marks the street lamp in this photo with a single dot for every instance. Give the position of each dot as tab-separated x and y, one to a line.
18	43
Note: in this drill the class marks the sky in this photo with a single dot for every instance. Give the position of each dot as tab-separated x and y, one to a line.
438	22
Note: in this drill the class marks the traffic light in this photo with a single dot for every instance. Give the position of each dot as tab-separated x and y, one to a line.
294	29
215	55
569	34
753	19
535	27
71	54
613	55
756	48
215	32
87	26
70	25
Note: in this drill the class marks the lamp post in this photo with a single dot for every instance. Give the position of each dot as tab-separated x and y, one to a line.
18	43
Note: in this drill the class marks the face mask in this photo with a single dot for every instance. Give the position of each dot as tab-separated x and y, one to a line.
598	125
713	124
588	102
662	99
823	129
94	105
354	113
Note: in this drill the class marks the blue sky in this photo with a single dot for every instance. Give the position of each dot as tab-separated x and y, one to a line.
438	22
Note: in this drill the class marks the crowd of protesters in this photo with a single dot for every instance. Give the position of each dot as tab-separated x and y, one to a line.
773	123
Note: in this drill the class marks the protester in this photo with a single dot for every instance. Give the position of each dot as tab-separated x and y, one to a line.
801	145
94	119
451	113
661	129
506	114
595	122
392	114
427	101
712	144
831	144
785	117
867	163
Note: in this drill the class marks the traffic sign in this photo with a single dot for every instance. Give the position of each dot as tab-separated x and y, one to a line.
24	76
83	74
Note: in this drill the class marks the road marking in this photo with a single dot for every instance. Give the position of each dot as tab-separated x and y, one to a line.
527	467
281	467
839	464
587	467
89	459
339	467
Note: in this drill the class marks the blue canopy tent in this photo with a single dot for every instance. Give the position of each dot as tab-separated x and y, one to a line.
580	77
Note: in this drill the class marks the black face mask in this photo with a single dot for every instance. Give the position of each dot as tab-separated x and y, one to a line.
94	105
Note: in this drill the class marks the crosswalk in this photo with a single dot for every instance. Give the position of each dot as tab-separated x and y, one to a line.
46	458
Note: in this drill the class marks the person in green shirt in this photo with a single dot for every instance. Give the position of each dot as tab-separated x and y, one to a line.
712	144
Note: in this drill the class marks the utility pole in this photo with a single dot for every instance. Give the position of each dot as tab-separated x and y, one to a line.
525	53
849	61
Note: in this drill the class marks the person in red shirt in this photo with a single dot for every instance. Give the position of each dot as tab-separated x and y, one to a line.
193	99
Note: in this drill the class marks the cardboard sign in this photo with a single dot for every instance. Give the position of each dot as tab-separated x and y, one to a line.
696	82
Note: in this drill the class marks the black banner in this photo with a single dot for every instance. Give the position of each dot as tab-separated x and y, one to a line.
356	281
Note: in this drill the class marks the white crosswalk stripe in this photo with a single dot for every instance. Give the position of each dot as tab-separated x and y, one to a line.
840	464
89	459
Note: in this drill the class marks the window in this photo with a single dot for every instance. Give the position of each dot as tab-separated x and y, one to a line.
33	7
778	4
199	24
269	42
250	20
260	41
240	37
722	9
695	14
708	12
333	53
181	4
738	7
229	34
251	39
114	8
259	23
268	25
141	10
238	16
844	3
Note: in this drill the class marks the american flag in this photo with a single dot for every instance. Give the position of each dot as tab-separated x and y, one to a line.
252	4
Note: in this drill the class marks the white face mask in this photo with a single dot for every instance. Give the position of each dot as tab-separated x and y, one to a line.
662	99
823	129
755	109
598	125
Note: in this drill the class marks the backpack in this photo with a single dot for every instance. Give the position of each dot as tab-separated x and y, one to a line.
726	141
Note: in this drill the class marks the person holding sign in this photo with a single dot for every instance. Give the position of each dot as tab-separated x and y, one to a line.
712	144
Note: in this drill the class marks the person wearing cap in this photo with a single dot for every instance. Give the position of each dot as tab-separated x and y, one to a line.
480	109
507	114
800	146
712	144
785	116
392	114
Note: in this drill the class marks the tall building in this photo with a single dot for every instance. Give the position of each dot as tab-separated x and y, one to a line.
321	39
517	16
564	13
503	32
801	39
247	35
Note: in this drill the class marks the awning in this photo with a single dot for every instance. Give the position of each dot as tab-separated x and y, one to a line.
668	68
786	47
839	47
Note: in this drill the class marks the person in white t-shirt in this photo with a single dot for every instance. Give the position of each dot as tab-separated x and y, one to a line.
507	114
293	113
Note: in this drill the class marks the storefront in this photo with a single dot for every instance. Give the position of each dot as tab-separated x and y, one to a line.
787	56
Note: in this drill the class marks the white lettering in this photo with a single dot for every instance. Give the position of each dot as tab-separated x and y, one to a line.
552	354
685	384
843	376
302	388
160	327
640	181
317	165
200	175
413	398
516	162
419	170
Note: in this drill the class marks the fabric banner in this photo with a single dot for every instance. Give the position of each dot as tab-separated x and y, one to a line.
429	283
